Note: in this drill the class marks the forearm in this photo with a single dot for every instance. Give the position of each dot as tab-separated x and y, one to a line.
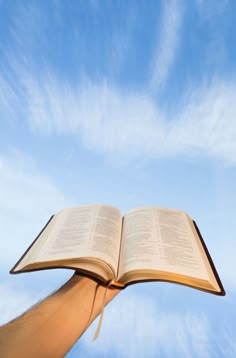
52	327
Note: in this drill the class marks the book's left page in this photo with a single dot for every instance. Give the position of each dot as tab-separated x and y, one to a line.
85	236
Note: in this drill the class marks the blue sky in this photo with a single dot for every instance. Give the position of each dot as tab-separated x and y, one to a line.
128	103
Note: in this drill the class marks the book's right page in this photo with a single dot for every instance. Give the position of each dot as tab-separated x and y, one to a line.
160	243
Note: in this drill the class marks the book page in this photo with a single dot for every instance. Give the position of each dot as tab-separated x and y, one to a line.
160	239
85	231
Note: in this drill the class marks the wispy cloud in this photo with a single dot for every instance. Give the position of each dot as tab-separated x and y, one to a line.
228	347
26	204
119	123
8	96
132	125
206	123
208	9
142	326
168	42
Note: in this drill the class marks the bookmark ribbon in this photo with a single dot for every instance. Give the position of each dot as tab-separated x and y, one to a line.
97	332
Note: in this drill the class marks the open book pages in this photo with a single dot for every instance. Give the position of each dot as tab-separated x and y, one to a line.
85	237
148	243
163	244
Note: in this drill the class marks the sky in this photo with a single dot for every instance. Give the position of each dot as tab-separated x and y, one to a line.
127	103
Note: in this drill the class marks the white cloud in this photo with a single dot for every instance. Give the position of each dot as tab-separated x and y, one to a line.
27	200
228	347
209	9
169	39
147	330
206	124
132	125
125	125
106	119
8	97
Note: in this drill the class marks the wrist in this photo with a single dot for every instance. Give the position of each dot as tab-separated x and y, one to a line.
82	285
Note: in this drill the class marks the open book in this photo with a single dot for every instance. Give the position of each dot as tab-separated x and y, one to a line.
148	243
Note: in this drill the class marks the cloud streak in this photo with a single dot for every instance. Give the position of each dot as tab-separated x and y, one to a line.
132	125
208	9
169	39
125	124
154	330
28	199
